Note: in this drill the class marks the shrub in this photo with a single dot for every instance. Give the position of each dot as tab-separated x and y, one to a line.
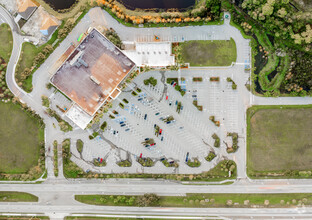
104	125
217	140
214	79
146	162
210	156
97	163
124	163
235	143
167	164
195	163
45	101
148	200
151	81
197	79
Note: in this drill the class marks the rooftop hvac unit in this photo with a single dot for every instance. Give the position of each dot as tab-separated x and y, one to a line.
95	80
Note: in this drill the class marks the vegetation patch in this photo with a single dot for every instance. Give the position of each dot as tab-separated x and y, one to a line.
6	43
210	156
193	163
146	162
203	200
55	158
216	140
199	107
170	164
124	163
64	125
22	138
197	79
99	162
212	118
278	141
79	145
151	81
234	86
45	101
209	53
104	125
70	169
234	147
17	197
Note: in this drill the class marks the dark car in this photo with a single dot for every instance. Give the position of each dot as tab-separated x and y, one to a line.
171	82
168	122
157	113
146	139
121	122
162	159
145	116
127	129
162	138
140	99
123	125
114	132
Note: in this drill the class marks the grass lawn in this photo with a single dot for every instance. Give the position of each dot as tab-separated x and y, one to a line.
19	139
209	53
17	197
6	43
28	54
279	141
14	217
206	200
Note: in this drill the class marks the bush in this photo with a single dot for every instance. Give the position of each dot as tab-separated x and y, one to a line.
197	79
98	163
45	101
146	162
104	125
210	156
151	81
235	143
214	79
167	164
124	163
195	163
148	200
217	140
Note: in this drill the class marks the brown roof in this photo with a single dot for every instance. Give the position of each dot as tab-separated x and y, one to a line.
23	5
92	72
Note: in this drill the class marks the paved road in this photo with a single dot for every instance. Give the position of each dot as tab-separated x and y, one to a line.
56	195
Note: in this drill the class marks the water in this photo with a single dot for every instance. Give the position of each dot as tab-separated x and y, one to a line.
159	4
60	4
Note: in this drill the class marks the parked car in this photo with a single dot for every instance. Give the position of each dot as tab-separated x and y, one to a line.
187	157
170	103
147	145
162	159
121	122
146	139
174	84
140	99
168	122
141	155
145	116
114	132
160	131
122	125
181	107
194	96
176	102
166	97
157	113
128	129
162	138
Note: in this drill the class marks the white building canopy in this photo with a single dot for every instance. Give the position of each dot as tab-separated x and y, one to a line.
154	54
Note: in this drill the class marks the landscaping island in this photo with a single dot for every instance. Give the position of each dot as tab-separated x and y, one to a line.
17	197
222	200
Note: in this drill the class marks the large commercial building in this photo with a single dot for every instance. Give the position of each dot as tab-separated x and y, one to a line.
92	75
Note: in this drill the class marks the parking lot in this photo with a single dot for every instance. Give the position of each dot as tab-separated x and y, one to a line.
141	118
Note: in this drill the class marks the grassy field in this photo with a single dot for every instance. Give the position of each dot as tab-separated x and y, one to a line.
206	200
279	141
17	197
6	43
19	139
14	217
209	53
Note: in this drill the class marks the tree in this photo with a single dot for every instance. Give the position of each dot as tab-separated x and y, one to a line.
148	200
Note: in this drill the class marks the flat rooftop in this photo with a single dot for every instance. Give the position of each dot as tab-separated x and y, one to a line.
92	72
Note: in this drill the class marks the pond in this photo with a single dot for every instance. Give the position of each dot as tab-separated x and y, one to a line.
60	4
157	4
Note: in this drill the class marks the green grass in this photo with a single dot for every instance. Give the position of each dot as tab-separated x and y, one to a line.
14	217
279	141
28	54
6	43
212	200
17	197
209	53
19	139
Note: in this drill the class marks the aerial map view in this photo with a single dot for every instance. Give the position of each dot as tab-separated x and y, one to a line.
155	109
